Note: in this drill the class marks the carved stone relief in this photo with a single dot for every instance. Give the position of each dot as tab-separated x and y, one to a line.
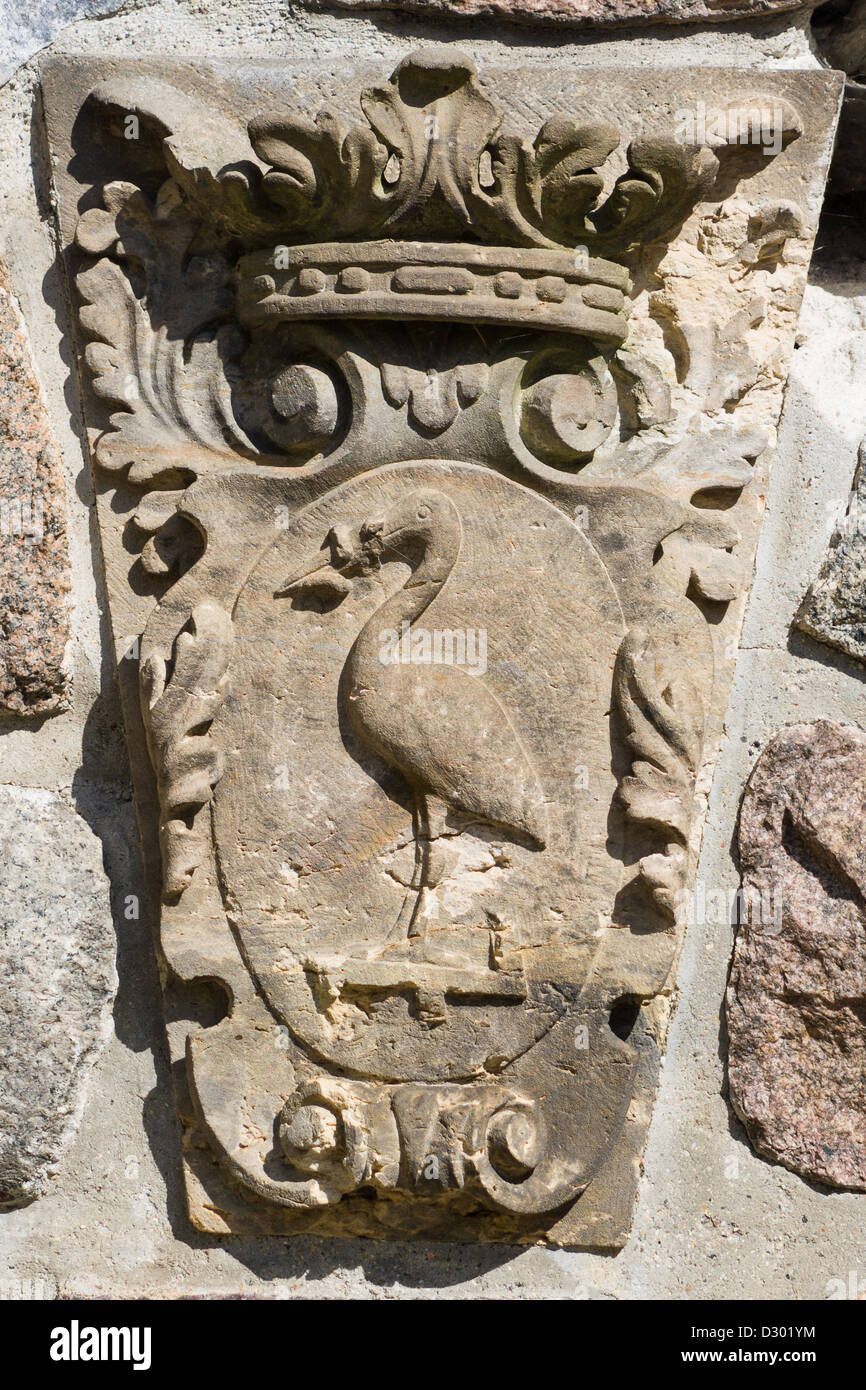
431	447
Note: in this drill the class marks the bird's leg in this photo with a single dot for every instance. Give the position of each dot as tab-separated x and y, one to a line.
408	912
418	920
428	823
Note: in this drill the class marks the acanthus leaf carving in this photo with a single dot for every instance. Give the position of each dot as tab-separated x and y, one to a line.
660	714
154	353
173	541
319	166
206	154
179	703
664	182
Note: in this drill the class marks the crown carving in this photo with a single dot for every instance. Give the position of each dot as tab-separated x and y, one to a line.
427	210
430	162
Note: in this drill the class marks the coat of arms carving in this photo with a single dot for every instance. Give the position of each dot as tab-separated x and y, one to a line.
430	441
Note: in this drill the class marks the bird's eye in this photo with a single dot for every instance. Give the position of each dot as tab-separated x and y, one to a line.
423	512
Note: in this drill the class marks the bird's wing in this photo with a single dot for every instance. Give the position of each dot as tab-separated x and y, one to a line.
447	732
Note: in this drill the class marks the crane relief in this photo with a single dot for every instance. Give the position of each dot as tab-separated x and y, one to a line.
442	729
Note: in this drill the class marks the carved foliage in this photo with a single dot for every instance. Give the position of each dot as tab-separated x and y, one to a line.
432	131
179	704
664	729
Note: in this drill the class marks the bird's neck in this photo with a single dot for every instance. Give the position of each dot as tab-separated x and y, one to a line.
406	606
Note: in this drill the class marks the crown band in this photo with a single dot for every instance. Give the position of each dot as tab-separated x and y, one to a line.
511	287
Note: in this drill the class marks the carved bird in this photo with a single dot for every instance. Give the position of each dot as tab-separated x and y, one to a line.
443	729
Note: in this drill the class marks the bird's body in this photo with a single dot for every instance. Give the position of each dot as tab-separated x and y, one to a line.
450	737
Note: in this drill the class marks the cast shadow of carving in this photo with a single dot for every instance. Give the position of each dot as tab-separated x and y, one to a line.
102	788
414	1265
807	648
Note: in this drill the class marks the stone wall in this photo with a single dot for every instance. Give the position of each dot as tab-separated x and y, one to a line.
90	1141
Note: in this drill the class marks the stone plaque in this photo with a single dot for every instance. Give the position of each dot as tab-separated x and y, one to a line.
430	446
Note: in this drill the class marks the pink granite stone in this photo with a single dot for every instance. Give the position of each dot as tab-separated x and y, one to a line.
796	1003
580	13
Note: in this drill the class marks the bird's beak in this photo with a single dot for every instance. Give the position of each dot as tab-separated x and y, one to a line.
294	580
346	555
376	540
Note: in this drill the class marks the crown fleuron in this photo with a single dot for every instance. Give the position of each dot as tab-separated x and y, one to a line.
431	163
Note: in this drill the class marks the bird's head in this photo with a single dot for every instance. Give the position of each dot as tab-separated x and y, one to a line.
397	534
415	520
